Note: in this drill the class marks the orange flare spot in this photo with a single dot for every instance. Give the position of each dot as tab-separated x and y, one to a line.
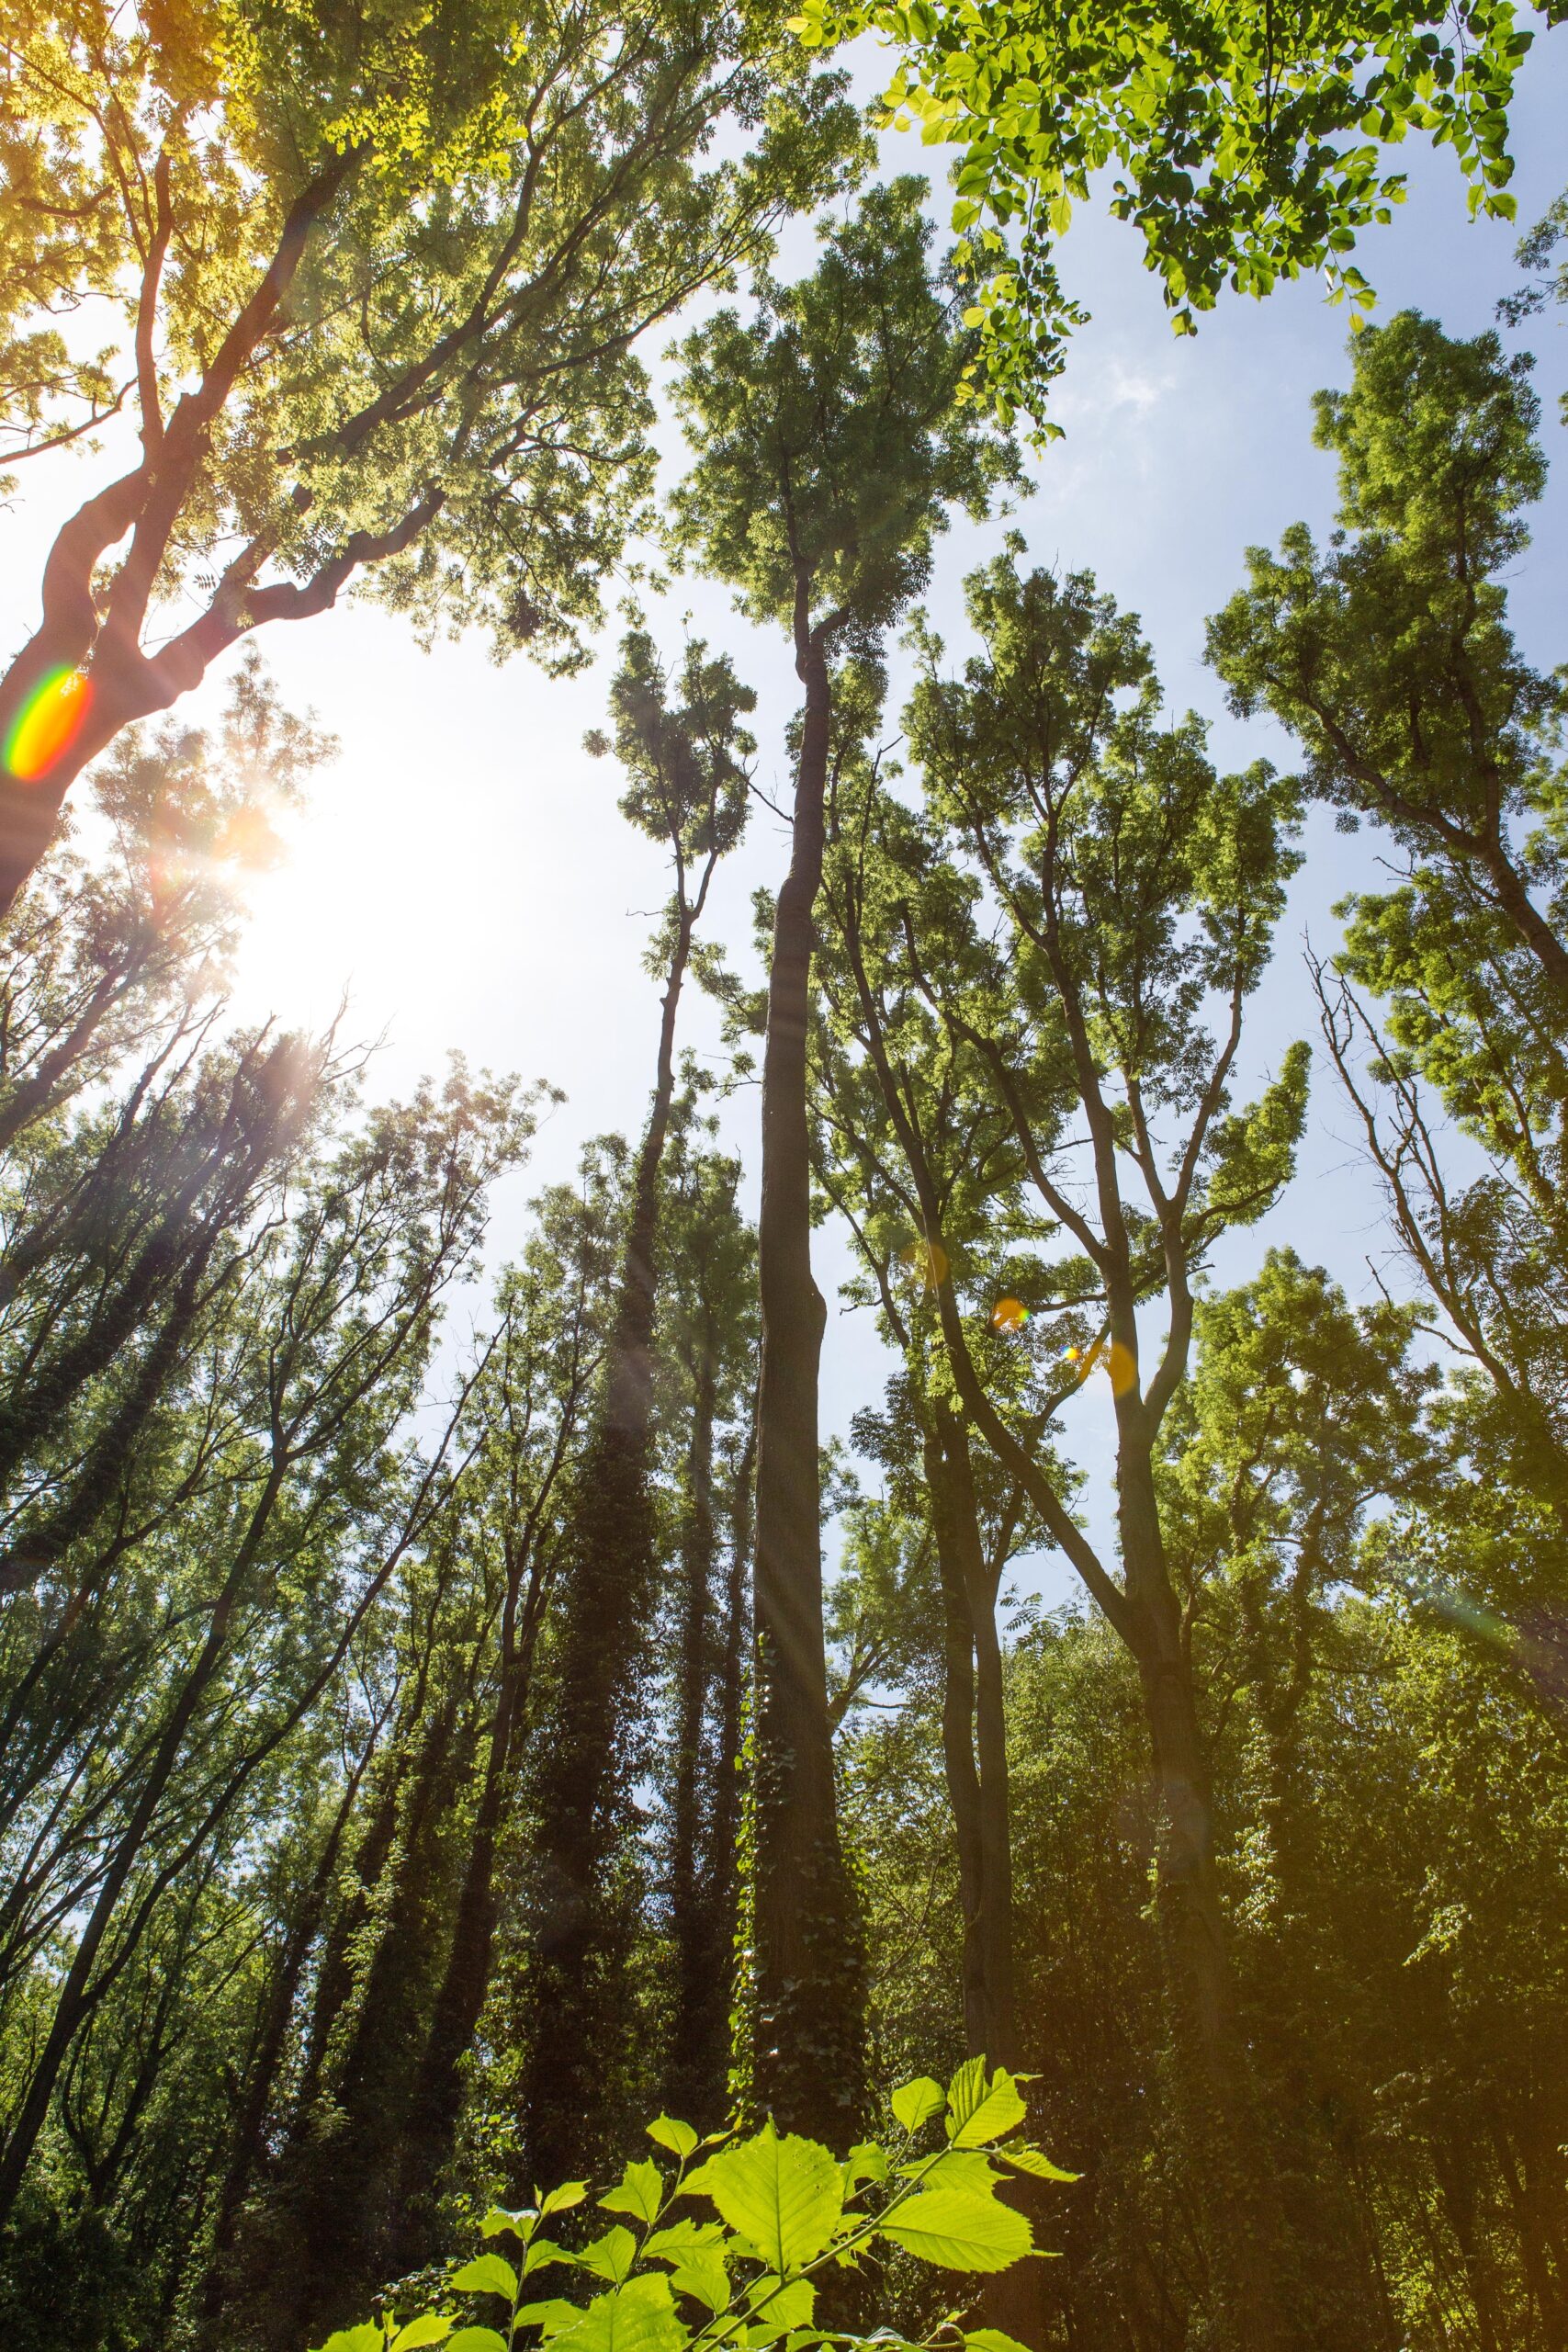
47	724
1009	1315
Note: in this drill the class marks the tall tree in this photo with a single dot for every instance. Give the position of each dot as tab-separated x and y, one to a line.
686	761
1138	893
828	447
380	283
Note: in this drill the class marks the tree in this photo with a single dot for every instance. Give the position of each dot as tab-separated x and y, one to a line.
1389	656
686	760
1251	143
1138	893
828	447
380	281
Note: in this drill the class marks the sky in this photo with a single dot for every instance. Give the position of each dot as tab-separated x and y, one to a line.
462	874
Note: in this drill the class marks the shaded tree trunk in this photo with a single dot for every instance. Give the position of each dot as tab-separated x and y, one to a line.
581	1785
808	2067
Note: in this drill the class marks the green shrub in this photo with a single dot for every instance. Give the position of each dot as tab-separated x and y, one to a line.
787	2212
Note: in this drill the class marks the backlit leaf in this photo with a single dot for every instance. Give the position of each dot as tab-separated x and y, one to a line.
487	2274
978	2111
914	2103
610	2256
640	2192
784	2196
959	2231
638	2317
1030	2160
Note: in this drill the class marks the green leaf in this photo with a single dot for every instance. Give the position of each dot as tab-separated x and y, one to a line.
991	2339
782	2303
487	2274
978	2112
683	2238
914	2103
640	2192
784	2196
965	2168
542	2253
678	2137
476	2339
562	2199
549	2317
521	2223
610	2256
959	2231
638	2317
430	2327
865	2161
365	2337
1030	2160
704	2277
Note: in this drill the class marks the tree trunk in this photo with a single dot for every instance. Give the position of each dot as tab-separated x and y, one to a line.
809	2061
581	1790
691	2092
1231	2174
437	2100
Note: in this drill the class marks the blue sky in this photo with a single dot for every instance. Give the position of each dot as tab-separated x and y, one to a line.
463	872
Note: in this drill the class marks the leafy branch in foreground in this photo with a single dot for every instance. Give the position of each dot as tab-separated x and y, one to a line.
788	2212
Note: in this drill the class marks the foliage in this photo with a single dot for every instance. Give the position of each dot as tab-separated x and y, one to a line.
1249	146
789	2214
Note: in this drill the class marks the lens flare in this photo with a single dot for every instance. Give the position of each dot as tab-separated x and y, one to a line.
927	1261
47	724
1009	1315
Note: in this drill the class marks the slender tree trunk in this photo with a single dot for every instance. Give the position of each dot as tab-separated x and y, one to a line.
809	2062
246	2148
437	2100
578	1936
691	2088
974	1751
1244	2233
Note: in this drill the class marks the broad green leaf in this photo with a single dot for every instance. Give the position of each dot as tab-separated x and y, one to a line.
430	2327
991	2339
365	2337
784	2196
487	2274
549	2317
638	2317
542	2252
783	2303
865	2161
965	2168
978	2111
610	2256
704	2277
668	2133
683	2238
476	2339
950	2227
640	2191
521	2223
562	2199
1030	2160
914	2103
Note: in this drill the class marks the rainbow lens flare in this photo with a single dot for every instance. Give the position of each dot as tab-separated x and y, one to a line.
47	724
